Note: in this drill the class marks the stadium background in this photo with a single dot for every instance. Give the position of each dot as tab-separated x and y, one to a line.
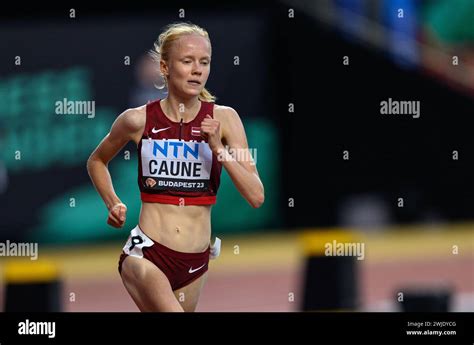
301	107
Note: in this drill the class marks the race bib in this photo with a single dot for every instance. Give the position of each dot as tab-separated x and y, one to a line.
136	242
176	164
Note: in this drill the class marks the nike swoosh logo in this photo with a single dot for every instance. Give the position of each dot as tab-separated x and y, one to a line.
191	270
159	130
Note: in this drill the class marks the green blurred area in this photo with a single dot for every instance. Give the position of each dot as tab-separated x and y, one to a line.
451	20
49	138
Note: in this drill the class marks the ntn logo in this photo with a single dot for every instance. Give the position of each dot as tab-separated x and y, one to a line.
176	147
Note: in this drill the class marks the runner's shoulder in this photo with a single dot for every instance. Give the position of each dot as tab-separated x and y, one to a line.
224	113
134	119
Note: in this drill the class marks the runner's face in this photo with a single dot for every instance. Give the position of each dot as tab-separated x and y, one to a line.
189	65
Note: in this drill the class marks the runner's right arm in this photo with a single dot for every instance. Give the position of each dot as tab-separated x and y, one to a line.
126	127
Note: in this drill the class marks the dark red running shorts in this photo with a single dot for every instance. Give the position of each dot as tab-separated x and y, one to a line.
181	269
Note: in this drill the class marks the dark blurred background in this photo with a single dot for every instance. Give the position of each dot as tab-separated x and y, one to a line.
406	56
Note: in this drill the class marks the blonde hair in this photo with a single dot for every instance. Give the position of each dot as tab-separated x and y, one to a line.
172	32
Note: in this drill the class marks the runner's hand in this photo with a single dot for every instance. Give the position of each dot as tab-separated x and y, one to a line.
117	215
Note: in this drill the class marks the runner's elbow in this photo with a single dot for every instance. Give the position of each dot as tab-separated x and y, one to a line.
92	161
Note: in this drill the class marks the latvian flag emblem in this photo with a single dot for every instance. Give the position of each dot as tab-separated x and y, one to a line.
196	131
